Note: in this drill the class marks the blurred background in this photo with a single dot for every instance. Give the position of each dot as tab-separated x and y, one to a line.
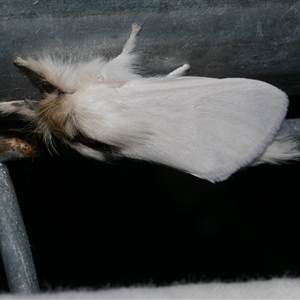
129	222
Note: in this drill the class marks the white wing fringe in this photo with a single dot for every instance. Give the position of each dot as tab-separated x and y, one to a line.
284	147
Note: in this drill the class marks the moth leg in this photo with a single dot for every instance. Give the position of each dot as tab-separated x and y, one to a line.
24	108
121	69
86	151
130	43
57	73
21	62
44	67
179	71
31	64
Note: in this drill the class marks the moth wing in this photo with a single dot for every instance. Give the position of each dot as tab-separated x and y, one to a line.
204	126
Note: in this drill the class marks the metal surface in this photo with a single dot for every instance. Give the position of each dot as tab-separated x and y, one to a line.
14	244
255	39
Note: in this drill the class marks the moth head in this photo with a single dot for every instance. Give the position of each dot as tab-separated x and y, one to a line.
55	117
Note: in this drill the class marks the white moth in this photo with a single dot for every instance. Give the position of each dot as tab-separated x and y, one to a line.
203	126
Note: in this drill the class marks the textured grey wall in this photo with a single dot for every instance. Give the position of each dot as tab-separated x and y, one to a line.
255	39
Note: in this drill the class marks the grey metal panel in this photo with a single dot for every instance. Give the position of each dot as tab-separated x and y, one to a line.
255	39
14	244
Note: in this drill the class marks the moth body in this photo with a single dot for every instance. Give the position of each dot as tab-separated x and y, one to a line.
204	126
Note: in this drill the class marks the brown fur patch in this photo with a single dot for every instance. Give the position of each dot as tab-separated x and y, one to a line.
54	113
